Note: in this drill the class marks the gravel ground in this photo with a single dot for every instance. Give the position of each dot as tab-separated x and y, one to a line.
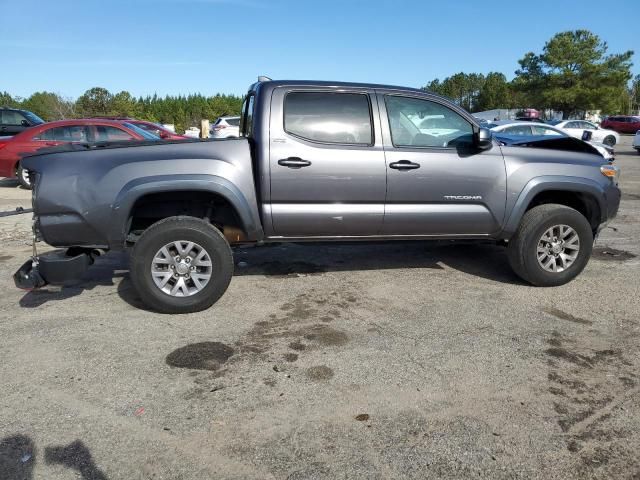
369	361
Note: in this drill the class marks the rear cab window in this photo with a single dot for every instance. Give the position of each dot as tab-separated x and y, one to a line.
246	118
329	117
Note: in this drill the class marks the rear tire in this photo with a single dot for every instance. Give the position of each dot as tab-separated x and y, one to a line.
533	258
609	140
23	177
193	282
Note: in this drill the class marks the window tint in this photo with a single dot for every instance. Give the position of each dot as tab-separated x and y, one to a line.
422	123
329	117
75	133
105	133
518	130
11	117
233	121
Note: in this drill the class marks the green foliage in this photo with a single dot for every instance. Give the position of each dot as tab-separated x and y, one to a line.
49	106
574	73
475	92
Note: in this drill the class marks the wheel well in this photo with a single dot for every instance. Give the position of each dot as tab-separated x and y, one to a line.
584	203
212	207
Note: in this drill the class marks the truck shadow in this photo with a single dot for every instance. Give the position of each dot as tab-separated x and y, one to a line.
103	272
9	183
290	260
484	260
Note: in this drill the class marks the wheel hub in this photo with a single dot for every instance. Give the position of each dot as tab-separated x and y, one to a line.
182	268
558	248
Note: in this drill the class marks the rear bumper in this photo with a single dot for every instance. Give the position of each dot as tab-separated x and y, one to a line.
55	268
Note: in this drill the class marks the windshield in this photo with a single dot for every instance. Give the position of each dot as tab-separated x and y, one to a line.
33	118
143	133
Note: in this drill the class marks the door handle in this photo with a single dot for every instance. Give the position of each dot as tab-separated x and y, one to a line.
404	165
294	162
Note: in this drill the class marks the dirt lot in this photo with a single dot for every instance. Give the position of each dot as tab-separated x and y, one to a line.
376	361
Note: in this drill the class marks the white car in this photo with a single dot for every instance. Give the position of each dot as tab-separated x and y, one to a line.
576	128
225	127
636	142
532	129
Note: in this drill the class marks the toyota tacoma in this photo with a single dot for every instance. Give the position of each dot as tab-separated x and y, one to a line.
316	161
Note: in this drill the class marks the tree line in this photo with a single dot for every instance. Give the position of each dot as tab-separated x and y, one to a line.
573	73
183	111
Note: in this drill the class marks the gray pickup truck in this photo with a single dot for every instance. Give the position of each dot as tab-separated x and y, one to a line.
316	161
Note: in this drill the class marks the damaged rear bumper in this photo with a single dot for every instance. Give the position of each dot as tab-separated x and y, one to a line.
55	268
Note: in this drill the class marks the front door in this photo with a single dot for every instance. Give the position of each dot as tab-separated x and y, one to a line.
437	182
327	164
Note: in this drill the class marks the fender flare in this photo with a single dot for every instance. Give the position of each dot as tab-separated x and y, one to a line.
136	189
552	182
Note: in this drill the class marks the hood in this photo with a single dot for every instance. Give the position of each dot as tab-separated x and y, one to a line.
568	144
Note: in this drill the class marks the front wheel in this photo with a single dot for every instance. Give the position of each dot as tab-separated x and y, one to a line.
609	140
23	177
551	246
181	265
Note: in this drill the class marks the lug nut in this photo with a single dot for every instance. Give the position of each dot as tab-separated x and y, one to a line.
173	267
188	259
192	268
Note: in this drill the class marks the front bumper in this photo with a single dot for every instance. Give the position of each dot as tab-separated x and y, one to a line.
55	268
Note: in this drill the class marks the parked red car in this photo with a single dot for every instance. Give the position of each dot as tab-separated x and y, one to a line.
57	133
154	128
622	123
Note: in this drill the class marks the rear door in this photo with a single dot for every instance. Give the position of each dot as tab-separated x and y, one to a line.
437	182
327	165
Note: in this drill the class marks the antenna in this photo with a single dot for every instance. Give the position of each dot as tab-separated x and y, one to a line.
263	78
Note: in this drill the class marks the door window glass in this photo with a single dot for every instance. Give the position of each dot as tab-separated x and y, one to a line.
518	130
11	117
329	117
106	133
75	133
547	132
422	123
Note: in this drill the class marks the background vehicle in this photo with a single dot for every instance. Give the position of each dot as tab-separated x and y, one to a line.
622	123
534	131
14	121
153	128
316	161
636	141
576	128
226	127
57	133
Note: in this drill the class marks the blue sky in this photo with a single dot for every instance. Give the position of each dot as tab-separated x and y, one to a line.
211	46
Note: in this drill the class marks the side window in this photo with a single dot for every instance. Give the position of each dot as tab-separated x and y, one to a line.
422	123
60	134
571	125
10	117
105	133
329	117
246	119
547	132
519	130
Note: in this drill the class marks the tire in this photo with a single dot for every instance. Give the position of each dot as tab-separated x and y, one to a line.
523	252
23	177
609	140
195	292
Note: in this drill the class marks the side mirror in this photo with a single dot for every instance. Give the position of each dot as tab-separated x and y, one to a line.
162	134
24	123
484	139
